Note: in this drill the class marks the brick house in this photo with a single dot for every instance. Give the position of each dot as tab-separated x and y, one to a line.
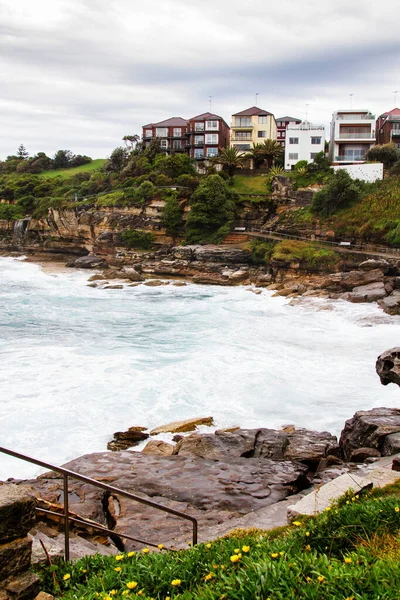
388	128
282	124
206	135
171	133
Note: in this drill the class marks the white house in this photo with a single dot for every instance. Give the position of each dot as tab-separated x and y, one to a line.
303	142
352	135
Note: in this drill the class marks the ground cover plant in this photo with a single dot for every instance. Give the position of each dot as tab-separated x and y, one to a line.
349	552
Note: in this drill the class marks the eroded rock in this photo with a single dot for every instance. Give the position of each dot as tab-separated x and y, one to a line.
182	426
368	429
388	366
126	439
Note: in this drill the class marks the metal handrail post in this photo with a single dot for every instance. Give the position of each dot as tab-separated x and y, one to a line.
66	517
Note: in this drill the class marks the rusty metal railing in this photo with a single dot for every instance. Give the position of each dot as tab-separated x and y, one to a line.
66	473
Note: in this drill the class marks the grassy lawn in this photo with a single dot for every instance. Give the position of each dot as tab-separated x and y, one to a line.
250	185
93	166
349	552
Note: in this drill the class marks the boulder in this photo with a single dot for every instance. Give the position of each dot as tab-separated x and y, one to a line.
126	439
113	287
368	429
91	261
366	293
24	587
219	446
391	304
388	366
374	263
17	511
360	455
391	445
158	448
182	426
348	280
153	282
396	463
131	274
221	255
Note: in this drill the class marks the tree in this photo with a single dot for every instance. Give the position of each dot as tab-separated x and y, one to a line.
268	152
230	159
212	208
22	152
341	191
62	159
153	149
320	163
130	140
387	154
174	165
117	161
172	216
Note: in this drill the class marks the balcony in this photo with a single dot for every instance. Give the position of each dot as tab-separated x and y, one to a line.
242	127
355	117
395	132
247	138
350	158
356	136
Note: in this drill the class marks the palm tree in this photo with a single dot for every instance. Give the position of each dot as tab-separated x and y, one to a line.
230	158
267	152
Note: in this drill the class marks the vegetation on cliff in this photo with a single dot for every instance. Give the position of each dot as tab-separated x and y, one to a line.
349	552
309	254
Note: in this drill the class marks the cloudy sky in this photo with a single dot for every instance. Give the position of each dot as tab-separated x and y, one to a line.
80	74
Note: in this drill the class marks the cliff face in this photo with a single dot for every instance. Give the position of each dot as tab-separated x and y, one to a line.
82	230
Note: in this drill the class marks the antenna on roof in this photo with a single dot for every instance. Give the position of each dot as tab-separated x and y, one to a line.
351	99
307	105
256	97
395	97
210	98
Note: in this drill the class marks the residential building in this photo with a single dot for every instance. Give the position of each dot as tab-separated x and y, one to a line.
303	142
171	133
252	126
282	124
388	128
352	135
206	135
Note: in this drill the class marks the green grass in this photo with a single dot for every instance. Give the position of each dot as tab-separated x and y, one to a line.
349	552
92	166
250	185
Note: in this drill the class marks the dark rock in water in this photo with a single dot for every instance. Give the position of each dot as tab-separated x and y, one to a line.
89	262
361	454
388	366
396	464
391	445
126	439
369	429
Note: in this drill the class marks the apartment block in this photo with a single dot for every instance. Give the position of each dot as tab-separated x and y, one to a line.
282	124
171	133
206	135
388	128
252	126
352	135
303	142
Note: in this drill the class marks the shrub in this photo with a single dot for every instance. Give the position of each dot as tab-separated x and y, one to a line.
292	250
340	192
113	199
135	238
387	154
10	212
261	252
172	216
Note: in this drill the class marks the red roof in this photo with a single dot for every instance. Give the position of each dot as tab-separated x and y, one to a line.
289	119
205	116
253	111
172	122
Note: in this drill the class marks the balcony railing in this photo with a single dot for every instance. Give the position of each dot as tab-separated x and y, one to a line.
356	136
250	126
248	138
395	132
350	158
355	117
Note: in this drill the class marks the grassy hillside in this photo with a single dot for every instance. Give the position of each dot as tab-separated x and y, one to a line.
92	166
349	552
247	184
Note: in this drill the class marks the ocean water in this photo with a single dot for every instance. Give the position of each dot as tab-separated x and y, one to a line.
79	363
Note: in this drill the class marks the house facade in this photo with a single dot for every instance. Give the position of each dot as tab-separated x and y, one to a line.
171	133
252	126
303	142
388	128
352	135
282	124
206	135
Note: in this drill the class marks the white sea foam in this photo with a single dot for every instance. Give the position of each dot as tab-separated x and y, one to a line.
77	363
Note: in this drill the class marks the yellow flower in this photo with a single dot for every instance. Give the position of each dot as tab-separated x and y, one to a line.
67	576
328	508
308	547
167	598
296	523
160	546
84	571
357	496
347	560
131	585
353	499
118	569
189	543
215	566
308	578
107	597
222	566
119	557
347	502
307	533
130	554
240	555
246	548
176	582
113	592
208	545
125	593
208	576
321	578
397	509
145	550
236	550
274	555
235	558
139	593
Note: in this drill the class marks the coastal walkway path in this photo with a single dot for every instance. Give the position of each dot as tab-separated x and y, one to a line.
345	247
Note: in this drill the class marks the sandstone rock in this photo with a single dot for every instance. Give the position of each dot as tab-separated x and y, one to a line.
361	454
17	511
131	274
348	281
113	287
89	262
179	283
221	255
44	596
368	429
126	439
239	275
153	282
218	446
92	285
391	445
388	366
211	279
24	587
96	277
374	263
182	426
113	274
15	557
366	293
396	464
158	448
391	304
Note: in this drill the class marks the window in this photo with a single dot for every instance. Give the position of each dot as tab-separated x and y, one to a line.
212	125
262	134
211	138
212	152
293	140
177	132
148	133
199	126
161	131
198	152
262	120
242	146
177	144
316	140
279	123
199	140
294	156
313	155
164	143
242	122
